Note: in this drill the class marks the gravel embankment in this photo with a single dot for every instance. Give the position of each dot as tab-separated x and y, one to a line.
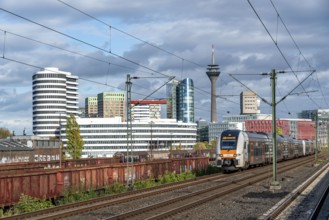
251	202
248	203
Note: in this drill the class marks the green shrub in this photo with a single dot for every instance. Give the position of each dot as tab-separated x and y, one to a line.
29	204
209	170
115	188
172	178
145	184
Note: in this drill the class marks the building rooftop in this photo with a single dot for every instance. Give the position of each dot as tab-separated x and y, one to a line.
11	145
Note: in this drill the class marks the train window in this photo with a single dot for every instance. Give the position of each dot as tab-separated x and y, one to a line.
228	144
245	145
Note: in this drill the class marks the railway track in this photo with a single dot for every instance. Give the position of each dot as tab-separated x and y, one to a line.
321	210
277	212
171	207
243	179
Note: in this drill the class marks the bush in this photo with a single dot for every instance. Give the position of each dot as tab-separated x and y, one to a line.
146	183
115	188
29	204
172	178
209	170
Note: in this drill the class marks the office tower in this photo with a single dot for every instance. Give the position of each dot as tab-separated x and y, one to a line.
55	96
172	99
213	73
91	107
185	101
111	104
249	103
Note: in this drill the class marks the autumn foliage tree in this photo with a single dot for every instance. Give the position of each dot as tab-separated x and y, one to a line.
74	143
4	133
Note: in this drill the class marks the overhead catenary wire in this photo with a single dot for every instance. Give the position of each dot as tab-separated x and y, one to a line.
83	42
280	51
298	48
84	79
135	37
86	43
4	44
81	78
130	35
72	52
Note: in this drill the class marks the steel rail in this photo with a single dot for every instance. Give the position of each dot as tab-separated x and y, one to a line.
191	200
285	202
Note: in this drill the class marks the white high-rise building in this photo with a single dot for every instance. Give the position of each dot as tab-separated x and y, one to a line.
55	96
249	103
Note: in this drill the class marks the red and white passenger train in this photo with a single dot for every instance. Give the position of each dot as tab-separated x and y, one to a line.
238	150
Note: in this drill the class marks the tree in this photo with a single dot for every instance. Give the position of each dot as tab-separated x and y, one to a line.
179	147
213	144
74	143
4	133
199	146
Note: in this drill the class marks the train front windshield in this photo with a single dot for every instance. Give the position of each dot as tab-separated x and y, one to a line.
228	144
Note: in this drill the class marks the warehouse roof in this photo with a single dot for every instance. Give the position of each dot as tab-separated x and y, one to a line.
11	145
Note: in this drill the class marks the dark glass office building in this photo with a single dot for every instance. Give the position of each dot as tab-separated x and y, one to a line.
185	101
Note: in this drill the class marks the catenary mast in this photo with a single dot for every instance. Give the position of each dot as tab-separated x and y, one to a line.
213	73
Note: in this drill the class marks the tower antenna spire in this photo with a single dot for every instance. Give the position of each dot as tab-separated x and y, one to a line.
212	55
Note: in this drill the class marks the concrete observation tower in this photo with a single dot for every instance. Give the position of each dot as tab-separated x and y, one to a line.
213	73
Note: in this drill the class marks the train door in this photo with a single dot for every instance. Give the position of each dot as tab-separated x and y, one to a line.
256	149
285	151
252	153
279	152
263	152
245	155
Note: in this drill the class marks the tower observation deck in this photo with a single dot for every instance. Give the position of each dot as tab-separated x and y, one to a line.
213	73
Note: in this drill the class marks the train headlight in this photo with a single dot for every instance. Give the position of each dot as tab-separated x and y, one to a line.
221	155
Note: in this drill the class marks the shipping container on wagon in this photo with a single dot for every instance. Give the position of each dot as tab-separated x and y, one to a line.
51	183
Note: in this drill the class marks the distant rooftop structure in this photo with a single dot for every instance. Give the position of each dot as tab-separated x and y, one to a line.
146	109
149	102
13	145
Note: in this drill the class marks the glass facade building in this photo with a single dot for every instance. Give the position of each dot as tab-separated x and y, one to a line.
172	99
185	101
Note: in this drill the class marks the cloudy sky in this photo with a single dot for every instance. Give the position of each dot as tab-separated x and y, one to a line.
103	41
